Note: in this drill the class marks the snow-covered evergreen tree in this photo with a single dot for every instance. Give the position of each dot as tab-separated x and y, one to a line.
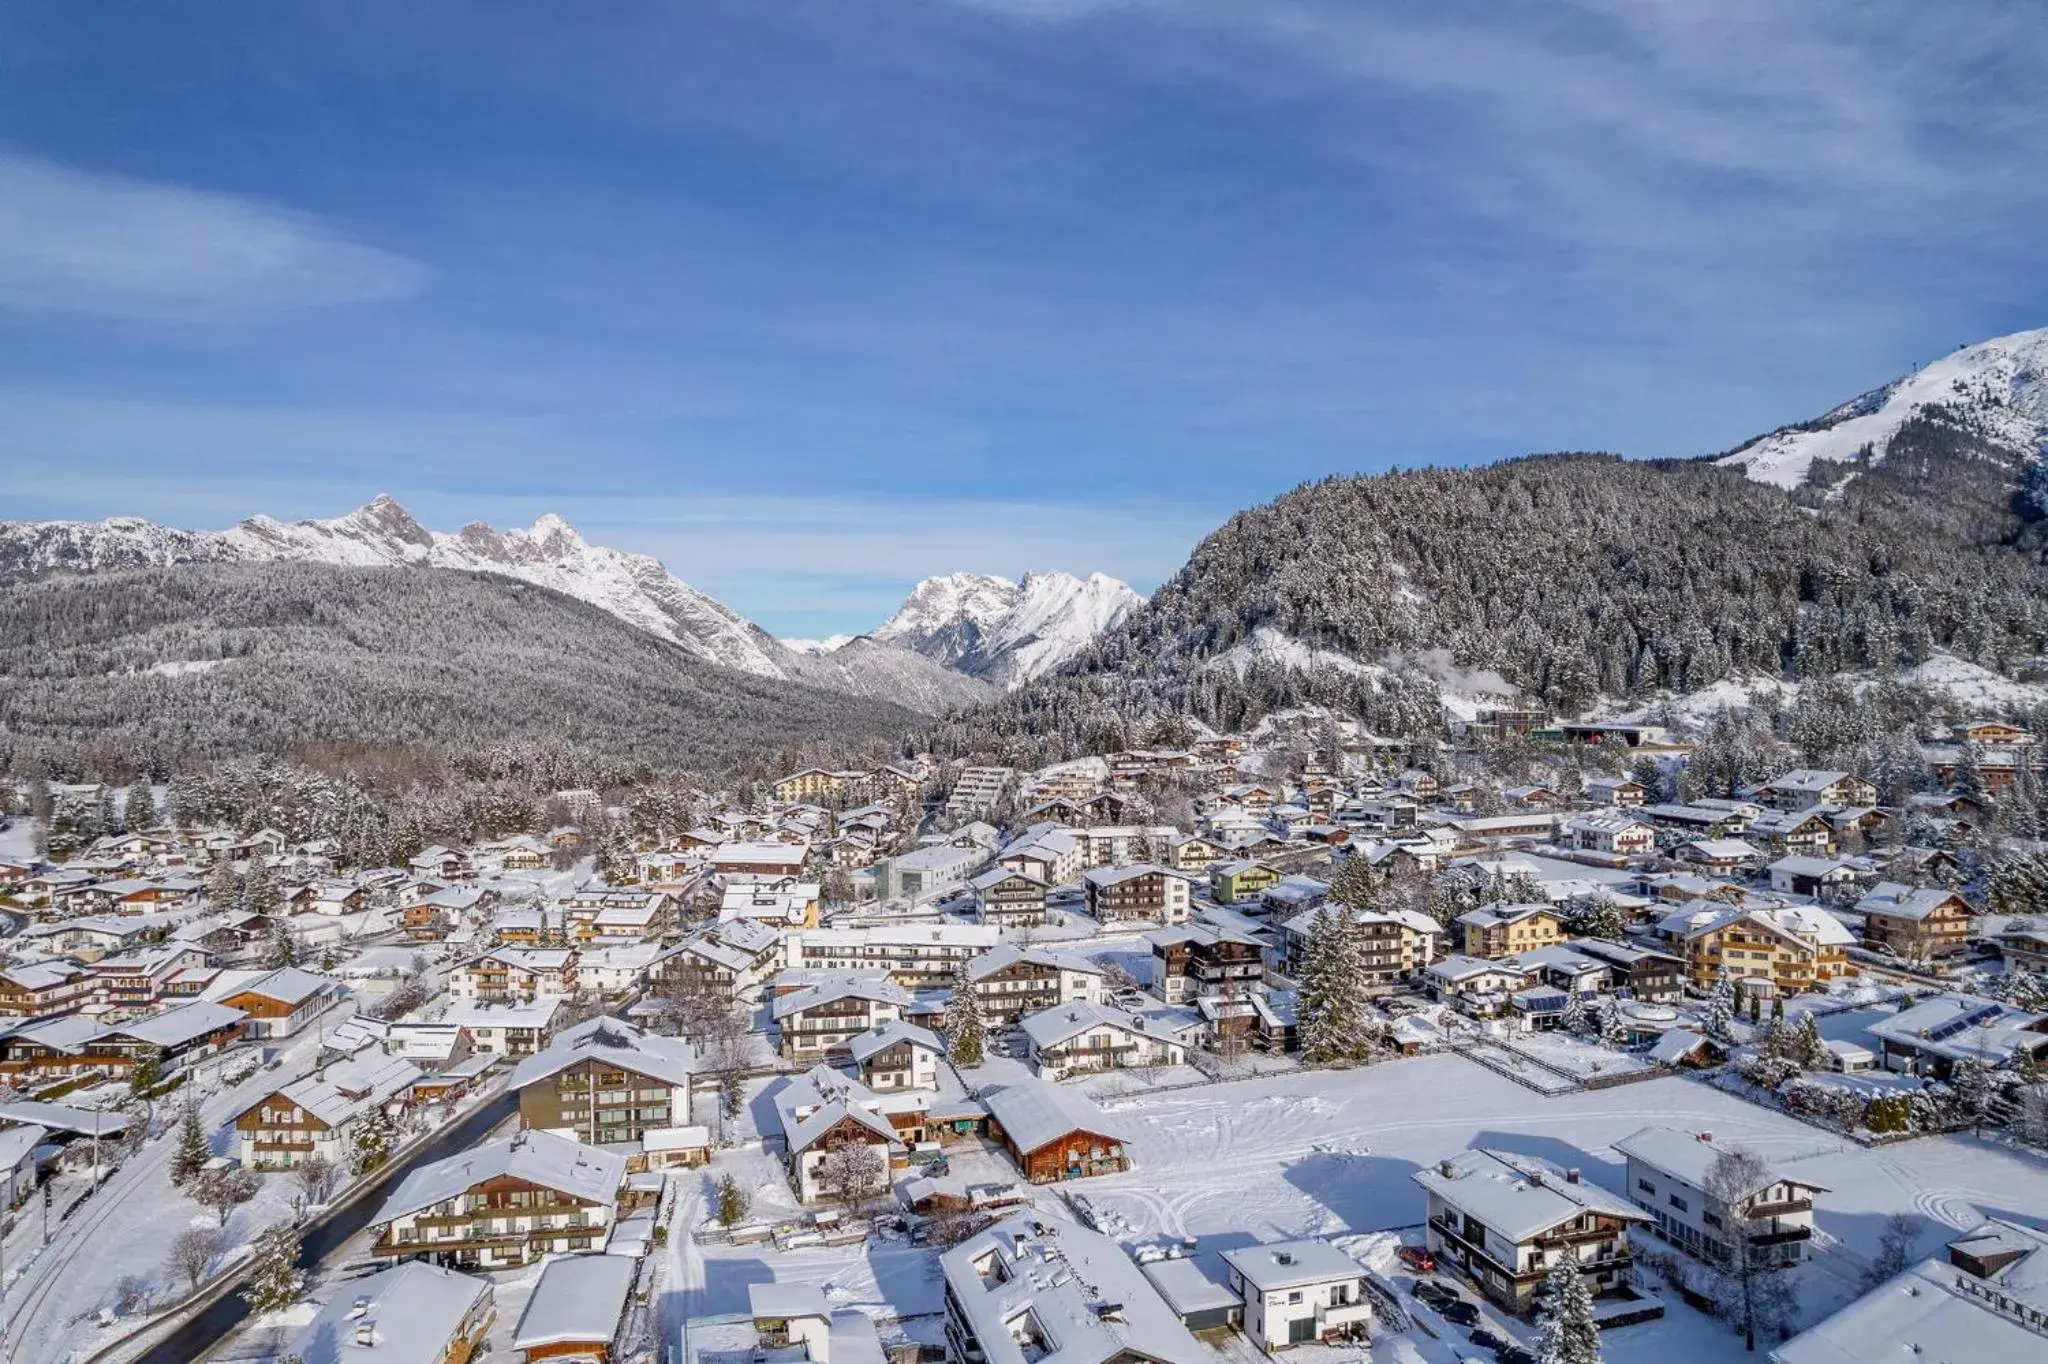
375	1138
1807	1046
1718	1015
966	1035
1576	1018
1613	1028
1356	884
1330	1006
275	1280
260	892
732	1201
192	1151
1566	1334
223	885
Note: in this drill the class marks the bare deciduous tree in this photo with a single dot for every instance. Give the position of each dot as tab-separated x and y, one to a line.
852	1173
191	1254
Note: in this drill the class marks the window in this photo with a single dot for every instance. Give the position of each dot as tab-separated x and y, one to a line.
1678	1202
1294	1297
1646	1186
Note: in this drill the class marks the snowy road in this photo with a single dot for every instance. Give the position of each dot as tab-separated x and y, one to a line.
70	1280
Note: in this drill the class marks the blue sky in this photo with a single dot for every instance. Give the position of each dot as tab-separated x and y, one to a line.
813	298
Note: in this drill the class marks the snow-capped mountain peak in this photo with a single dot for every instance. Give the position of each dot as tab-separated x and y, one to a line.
2000	387
381	534
1003	631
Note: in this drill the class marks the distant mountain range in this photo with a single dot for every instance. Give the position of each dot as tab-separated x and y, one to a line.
1998	389
1003	632
1042	623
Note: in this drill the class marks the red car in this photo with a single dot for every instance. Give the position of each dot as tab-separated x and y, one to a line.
1417	1258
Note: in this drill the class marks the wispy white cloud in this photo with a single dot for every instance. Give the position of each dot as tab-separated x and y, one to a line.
1661	126
76	241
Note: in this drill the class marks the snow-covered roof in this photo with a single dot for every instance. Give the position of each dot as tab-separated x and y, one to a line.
17	1144
814	1103
1960	1027
1897	901
1690	1157
1005	955
84	1122
785	1301
287	985
1719	848
175	1027
1085	1300
1052	1026
502	1013
340	1092
579	1299
1932	1311
1034	1113
615	1042
1292	1264
1675	1045
886	1035
589	1173
1519	1196
409	1314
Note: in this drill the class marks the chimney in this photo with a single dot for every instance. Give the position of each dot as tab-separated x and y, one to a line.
1571	1176
366	1333
1446	1169
1706	1137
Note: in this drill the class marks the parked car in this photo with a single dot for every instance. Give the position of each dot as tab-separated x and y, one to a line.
1459	1312
1417	1258
1434	1293
1487	1340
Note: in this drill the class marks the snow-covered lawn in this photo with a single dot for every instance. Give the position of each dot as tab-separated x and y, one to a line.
1277	1157
1577	1055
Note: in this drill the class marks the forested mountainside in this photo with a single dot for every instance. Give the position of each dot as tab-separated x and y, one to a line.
1569	576
155	668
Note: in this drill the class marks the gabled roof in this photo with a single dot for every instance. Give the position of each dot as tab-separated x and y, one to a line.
414	1311
1520	1196
819	1100
589	1173
347	1089
175	1027
287	985
1035	1114
614	1042
1897	901
1050	1027
881	1038
1005	955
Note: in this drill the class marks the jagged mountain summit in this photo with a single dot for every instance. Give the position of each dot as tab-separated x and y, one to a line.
636	588
1007	632
1997	389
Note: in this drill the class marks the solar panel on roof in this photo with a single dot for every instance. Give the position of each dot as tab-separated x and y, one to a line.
1983	1013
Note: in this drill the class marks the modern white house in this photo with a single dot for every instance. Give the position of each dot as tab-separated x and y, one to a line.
1668	1175
1298	1291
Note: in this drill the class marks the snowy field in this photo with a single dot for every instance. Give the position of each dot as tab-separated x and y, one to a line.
1269	1159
